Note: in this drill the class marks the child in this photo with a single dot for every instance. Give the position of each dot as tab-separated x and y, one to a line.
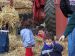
27	37
40	38
41	32
51	48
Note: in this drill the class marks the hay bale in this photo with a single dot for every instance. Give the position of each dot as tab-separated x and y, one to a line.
22	4
24	11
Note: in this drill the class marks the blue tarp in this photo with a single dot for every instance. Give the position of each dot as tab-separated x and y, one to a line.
4	42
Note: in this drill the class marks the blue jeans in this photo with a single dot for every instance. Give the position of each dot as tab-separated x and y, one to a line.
4	42
71	43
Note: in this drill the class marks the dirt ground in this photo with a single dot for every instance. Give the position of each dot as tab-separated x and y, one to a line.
16	48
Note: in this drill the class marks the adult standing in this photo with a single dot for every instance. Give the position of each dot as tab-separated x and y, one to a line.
68	9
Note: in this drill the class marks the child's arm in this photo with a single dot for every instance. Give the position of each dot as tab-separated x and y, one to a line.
45	51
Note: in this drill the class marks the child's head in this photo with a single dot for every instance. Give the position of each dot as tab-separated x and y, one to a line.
41	28
27	23
49	38
41	32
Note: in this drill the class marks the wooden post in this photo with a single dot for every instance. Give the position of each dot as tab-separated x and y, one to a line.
61	20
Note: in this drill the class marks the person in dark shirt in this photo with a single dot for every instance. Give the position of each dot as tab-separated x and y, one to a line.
68	9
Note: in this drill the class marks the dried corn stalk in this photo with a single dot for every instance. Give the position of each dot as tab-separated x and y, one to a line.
9	14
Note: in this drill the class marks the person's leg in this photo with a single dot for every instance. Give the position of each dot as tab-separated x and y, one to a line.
29	52
70	41
71	44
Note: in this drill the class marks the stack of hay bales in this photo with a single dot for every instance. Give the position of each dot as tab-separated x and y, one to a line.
10	14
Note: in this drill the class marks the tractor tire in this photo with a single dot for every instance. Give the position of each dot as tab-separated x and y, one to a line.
50	16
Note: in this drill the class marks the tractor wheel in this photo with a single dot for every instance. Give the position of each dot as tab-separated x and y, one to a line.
50	16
